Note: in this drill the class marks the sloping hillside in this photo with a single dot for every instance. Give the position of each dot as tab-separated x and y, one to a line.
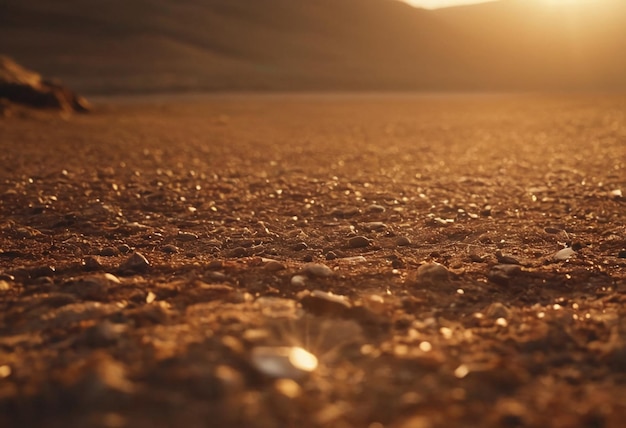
536	44
166	45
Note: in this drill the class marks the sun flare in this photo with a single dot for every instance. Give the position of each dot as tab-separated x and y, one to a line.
436	4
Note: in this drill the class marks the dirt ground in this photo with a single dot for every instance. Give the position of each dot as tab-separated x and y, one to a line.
158	256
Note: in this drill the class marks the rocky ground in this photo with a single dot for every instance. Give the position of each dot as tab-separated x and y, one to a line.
315	260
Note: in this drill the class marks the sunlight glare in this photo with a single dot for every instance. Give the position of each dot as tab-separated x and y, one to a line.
435	4
302	359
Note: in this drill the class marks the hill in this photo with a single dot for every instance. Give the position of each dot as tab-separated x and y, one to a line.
165	45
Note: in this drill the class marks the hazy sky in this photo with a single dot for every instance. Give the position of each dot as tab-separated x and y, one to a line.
432	4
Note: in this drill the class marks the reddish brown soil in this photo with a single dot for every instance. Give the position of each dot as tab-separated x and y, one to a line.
209	189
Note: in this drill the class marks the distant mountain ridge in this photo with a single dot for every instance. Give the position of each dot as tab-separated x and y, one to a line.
121	46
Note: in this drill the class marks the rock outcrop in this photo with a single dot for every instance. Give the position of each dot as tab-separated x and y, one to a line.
22	86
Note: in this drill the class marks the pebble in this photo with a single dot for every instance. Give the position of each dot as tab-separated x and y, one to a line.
283	362
273	265
345	212
216	276
135	263
375	226
300	246
96	286
501	274
564	254
92	263
109	251
124	249
498	310
476	258
323	303
186	236
375	208
4	285
506	260
317	269
298	280
105	278
238	252
552	230
41	271
354	260
331	255
170	249
433	274
359	242
403	241
622	254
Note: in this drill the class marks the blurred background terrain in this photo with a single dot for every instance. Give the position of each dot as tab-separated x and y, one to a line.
142	46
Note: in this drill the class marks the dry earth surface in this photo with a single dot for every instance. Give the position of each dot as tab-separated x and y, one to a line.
155	260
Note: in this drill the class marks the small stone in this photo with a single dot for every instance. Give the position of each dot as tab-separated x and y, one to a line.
498	310
186	237
92	263
506	260
564	254
41	271
501	274
109	251
438	221
375	208
4	285
345	212
552	230
577	246
322	303
622	254
331	255
476	258
238	252
317	269
433	274
273	265
170	249
298	280
359	242
216	276
96	286
374	226
124	249
354	260
283	362
135	263
403	241
300	246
